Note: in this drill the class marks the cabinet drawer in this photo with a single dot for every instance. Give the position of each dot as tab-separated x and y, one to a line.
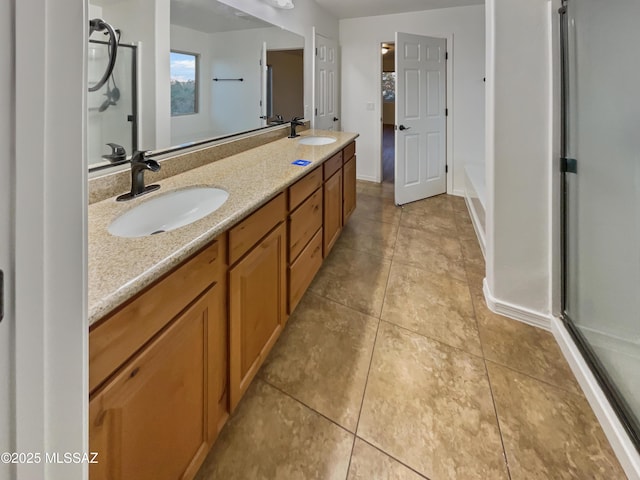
332	165
118	337
349	151
304	223
303	270
304	187
249	232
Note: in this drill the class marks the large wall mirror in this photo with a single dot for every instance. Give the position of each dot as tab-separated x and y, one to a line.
186	71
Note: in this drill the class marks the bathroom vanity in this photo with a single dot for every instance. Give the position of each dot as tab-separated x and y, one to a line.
182	321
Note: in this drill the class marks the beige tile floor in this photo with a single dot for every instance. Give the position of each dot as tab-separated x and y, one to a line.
392	367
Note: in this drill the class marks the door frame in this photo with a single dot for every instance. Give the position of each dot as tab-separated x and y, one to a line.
449	94
50	214
628	421
314	80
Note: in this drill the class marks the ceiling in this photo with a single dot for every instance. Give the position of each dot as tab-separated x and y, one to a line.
211	17
367	8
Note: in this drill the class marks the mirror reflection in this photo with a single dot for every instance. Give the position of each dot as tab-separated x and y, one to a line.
211	72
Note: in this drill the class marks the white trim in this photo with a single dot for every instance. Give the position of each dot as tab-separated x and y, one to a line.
449	155
314	34
457	193
490	94
620	443
516	312
51	234
366	178
475	221
450	107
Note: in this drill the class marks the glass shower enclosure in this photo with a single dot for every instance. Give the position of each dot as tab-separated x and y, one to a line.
112	110
601	194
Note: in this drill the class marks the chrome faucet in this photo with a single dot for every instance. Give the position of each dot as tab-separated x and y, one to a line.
139	163
295	121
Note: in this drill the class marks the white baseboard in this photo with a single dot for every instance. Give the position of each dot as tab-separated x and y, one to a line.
476	225
620	442
457	193
623	448
367	178
517	312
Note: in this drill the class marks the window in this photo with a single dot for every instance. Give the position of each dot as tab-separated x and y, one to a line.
389	87
184	83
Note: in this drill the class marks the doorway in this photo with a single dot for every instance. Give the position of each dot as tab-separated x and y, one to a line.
285	84
388	54
421	117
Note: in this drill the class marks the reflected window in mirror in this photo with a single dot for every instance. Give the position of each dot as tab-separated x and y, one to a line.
184	83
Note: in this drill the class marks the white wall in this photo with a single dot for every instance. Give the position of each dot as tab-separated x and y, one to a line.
147	22
519	153
236	55
7	160
360	39
185	128
300	20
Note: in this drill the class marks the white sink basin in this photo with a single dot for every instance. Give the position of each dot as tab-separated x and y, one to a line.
316	140
168	212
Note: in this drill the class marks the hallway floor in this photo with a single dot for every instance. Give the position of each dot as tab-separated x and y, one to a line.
392	367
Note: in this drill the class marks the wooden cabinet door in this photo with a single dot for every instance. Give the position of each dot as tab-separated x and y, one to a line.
332	224
218	363
257	309
149	421
349	189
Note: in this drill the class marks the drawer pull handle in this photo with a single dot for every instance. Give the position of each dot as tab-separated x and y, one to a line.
134	372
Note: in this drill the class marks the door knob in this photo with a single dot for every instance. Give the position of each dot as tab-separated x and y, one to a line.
402	127
335	119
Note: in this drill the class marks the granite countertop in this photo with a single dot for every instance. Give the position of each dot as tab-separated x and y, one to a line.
119	267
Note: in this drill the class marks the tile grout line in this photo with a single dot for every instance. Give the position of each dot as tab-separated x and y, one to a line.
297	400
364	393
486	371
459	349
342	304
373	350
375	341
536	379
421	475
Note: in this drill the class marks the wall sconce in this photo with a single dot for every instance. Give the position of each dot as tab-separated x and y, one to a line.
284	4
384	50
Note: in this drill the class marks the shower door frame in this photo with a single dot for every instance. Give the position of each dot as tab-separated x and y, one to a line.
627	418
134	100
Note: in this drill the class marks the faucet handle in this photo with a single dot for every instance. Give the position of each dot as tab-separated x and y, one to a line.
140	155
118	153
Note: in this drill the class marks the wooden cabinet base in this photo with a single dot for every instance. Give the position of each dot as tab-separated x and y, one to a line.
257	309
148	422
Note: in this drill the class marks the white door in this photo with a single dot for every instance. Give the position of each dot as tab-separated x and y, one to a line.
7	330
420	118
326	99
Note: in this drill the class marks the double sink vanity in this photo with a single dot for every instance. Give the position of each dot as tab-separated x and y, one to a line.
191	286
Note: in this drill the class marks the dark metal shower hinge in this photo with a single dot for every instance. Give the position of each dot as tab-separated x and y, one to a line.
568	165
